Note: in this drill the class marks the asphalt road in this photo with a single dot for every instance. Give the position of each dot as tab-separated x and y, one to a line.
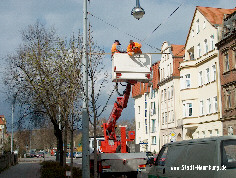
30	167
22	170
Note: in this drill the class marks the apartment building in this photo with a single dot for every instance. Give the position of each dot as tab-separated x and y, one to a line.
200	80
169	87
147	113
227	61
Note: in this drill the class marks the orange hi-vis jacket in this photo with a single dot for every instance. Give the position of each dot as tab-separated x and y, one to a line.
113	49
135	47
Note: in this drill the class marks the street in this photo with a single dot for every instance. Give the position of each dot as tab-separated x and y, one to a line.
30	167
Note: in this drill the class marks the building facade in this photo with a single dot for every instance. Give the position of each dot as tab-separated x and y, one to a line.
169	87
227	60
200	82
147	113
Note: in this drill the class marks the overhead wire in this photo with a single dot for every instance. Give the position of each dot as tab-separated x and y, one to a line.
161	23
123	31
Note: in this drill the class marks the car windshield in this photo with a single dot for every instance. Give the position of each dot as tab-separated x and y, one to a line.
228	154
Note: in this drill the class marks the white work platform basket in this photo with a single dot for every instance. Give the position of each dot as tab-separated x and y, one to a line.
131	68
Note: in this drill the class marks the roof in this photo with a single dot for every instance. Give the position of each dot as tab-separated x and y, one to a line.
177	50
214	15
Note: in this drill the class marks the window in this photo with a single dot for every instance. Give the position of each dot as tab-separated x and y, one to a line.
146	128
170	120
154	140
207	75
199	50
138	109
153	108
212	42
145	112
230	130
165	94
152	93
168	93
204	24
217	132
187	81
168	71
203	134
214	72
166	117
197	26
173	116
172	91
208	106
162	156
206	46
163	118
162	95
187	109
171	71
139	125
210	133
191	53
197	134
192	33
215	104
201	108
153	125
226	57
200	78
228	99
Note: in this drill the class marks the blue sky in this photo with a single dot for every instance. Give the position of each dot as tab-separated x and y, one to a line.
67	17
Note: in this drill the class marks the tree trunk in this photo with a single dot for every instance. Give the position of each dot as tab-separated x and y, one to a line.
58	134
65	143
72	149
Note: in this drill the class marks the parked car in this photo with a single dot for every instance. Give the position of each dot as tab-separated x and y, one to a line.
40	154
77	154
32	154
206	157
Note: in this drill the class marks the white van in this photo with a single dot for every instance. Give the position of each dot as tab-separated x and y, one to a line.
213	157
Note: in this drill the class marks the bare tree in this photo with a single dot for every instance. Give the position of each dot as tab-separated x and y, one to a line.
45	72
98	79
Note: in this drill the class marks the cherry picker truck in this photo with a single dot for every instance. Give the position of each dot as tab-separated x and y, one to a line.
116	159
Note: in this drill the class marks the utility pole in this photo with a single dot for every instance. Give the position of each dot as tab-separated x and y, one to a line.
85	119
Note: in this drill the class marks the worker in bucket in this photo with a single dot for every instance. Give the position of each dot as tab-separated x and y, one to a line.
133	48
116	48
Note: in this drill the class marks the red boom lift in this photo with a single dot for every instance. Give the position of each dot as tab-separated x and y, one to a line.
111	144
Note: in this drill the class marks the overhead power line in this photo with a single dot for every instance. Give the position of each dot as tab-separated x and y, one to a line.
162	23
123	31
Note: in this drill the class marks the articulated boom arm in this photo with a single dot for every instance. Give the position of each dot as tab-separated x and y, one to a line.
119	105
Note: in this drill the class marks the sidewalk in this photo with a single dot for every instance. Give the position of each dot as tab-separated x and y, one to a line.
22	170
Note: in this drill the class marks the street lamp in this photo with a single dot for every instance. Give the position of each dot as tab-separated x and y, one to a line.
137	11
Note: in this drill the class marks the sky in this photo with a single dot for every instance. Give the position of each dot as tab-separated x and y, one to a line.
110	20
